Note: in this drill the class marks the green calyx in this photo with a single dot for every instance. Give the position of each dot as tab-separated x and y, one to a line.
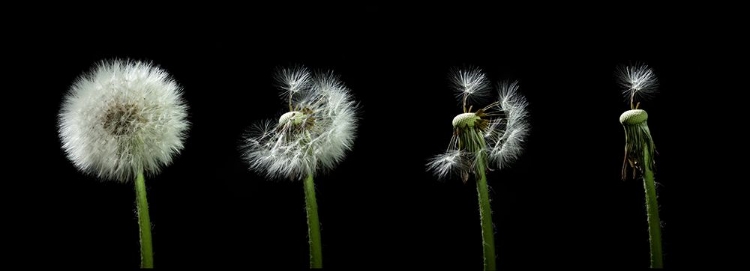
637	140
466	120
470	138
633	116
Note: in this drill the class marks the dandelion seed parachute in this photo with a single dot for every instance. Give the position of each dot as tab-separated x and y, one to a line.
637	81
122	118
472	83
449	163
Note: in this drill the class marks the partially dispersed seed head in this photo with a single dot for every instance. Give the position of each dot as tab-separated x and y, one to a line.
310	138
494	133
633	116
465	120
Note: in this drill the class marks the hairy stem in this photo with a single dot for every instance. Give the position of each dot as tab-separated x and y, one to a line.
313	224
485	214
652	209
144	222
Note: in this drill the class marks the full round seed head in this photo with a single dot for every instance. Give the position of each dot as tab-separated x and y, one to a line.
123	118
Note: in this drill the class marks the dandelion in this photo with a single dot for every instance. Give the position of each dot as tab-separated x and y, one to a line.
639	81
311	138
489	137
123	119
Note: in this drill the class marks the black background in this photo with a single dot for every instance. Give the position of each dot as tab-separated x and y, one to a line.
561	205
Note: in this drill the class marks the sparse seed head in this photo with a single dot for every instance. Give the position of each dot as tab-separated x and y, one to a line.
637	81
496	131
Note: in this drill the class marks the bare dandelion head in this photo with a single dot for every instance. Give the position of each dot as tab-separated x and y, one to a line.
493	134
313	136
122	118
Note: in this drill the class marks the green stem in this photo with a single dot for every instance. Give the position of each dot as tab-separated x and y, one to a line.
652	209
144	222
313	224
485	214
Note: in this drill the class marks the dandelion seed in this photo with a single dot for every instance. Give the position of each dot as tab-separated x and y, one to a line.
451	162
637	81
470	85
293	80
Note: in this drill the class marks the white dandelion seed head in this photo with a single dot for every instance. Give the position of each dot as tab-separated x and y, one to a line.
470	82
637	80
312	138
122	118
